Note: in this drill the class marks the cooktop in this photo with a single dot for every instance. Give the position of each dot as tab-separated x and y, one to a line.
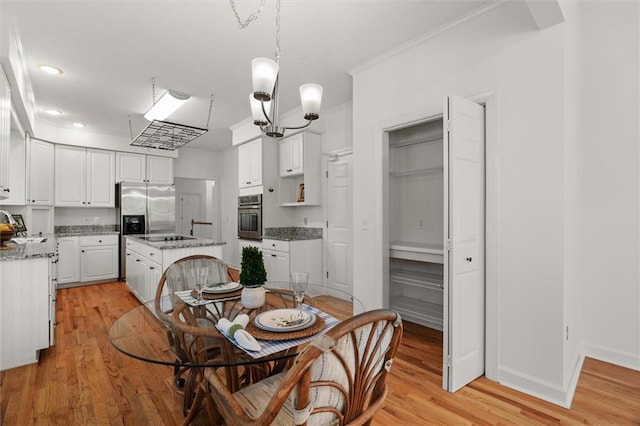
161	238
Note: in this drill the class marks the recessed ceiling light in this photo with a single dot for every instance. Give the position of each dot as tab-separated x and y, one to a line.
78	124
53	112
50	69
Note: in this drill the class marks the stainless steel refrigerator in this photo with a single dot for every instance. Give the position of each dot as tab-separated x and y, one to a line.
152	204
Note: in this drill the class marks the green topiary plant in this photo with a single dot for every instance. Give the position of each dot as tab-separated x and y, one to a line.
252	272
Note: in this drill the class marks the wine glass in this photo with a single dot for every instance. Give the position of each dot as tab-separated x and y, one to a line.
200	274
298	283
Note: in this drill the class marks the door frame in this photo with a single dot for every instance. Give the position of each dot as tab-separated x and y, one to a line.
492	202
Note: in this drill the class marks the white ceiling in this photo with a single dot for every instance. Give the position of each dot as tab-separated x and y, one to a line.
109	50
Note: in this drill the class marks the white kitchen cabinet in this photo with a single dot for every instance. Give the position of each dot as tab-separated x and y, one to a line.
24	310
292	156
84	177
17	166
250	164
5	133
41	176
143	168
300	164
283	257
68	260
145	264
98	257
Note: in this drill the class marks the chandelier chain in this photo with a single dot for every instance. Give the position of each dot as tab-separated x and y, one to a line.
278	51
244	24
210	108
153	90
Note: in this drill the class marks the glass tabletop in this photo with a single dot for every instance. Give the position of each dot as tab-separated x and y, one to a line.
158	331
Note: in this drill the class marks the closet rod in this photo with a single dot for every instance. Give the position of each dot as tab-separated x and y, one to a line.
416	141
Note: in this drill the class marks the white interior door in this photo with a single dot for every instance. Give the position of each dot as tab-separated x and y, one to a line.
464	287
190	209
339	215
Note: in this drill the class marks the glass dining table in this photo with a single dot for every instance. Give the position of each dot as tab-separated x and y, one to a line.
181	331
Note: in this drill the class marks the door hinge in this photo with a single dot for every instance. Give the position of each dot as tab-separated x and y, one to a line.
567	332
327	274
327	224
448	360
448	125
448	244
326	173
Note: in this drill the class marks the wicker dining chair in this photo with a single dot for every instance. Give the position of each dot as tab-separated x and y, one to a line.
177	277
340	378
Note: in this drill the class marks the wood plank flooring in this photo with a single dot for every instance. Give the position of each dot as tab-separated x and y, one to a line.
84	380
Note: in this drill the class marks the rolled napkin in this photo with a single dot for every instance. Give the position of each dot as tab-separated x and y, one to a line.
235	330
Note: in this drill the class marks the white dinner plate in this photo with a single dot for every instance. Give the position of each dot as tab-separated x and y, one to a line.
221	287
285	320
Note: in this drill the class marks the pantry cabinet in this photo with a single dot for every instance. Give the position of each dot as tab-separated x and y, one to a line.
143	168
84	177
41	176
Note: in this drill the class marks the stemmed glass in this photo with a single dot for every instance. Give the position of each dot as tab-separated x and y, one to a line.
298	283
200	275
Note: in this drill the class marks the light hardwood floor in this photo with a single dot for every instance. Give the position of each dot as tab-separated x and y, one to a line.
84	380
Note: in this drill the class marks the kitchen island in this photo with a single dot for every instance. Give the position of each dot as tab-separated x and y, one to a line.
148	256
27	301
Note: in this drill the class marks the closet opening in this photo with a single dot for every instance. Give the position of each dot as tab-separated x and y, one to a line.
434	228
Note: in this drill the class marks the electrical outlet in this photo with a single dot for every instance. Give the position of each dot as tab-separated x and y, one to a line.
305	220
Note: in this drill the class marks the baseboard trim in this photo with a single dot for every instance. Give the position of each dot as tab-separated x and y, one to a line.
533	386
623	359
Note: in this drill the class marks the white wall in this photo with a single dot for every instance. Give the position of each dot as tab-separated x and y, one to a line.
70	216
195	163
228	192
500	51
610	155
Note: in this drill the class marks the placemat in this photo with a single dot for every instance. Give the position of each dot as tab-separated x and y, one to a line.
192	299
216	296
261	334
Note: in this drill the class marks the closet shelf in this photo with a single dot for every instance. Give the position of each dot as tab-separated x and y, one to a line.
419	311
415	251
399	144
417	279
416	172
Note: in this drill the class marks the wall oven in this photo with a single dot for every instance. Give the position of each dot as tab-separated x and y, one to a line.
250	217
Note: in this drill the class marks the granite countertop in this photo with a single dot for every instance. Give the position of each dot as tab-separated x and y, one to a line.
81	230
292	233
163	245
30	250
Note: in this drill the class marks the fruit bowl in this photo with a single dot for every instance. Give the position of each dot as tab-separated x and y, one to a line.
6	235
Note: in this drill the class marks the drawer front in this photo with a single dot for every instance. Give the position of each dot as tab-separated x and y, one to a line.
276	245
98	240
153	254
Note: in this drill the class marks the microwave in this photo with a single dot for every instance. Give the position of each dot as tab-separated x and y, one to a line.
250	217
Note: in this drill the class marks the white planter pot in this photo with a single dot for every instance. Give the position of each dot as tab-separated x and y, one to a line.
252	297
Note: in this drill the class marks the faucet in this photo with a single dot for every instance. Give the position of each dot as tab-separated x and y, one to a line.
9	217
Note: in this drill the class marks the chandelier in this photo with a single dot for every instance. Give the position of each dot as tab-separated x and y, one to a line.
264	99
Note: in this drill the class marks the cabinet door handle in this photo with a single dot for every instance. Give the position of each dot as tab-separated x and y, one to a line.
84	202
137	260
152	267
99	241
150	254
273	255
469	259
82	251
88	202
7	190
128	254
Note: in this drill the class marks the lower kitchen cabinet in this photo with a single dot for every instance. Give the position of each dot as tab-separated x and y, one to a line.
90	258
283	257
25	316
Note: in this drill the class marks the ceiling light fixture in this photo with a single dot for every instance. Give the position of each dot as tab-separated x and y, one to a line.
264	99
50	69
53	112
78	124
166	105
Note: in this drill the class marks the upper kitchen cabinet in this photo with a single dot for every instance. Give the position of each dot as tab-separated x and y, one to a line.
84	177
5	131
292	156
250	164
41	157
143	168
16	166
300	170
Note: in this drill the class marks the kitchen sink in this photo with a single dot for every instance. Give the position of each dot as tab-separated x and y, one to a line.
29	240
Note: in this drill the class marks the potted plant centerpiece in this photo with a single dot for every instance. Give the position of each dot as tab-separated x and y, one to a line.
252	277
